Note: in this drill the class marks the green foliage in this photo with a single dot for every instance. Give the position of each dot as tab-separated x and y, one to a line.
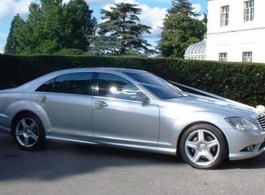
78	25
180	30
42	30
182	7
178	33
242	82
12	43
53	26
205	18
120	33
72	51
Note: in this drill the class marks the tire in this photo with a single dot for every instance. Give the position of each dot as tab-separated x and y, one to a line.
203	146
28	131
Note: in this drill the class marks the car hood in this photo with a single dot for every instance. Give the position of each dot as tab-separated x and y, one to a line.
205	104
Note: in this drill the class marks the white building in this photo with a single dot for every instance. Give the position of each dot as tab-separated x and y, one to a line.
236	30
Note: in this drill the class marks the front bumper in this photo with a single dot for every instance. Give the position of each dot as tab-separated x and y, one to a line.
245	144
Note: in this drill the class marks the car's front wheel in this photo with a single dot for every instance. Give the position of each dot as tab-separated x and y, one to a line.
28	131
203	146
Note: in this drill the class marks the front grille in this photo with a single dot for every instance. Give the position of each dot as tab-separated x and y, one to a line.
261	120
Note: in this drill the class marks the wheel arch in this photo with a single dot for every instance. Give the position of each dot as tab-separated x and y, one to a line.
196	123
29	137
16	116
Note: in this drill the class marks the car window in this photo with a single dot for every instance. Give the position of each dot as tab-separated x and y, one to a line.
110	85
73	83
46	87
156	85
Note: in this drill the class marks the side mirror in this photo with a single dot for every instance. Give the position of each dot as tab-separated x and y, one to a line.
141	97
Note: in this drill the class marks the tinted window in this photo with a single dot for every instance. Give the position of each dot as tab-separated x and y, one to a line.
110	85
47	87
74	83
156	85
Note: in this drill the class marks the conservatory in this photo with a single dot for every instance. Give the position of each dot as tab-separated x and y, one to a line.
196	51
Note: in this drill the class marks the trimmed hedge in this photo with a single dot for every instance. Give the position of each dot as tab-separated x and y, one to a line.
242	82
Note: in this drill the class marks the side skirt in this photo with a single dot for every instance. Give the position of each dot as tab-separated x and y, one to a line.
169	151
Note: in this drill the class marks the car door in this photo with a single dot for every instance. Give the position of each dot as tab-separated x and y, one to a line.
66	100
120	119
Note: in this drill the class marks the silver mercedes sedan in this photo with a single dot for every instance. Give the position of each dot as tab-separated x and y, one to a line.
132	109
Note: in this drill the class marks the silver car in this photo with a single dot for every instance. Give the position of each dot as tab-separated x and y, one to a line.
131	109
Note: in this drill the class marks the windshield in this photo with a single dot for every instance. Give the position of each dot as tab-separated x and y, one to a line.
156	85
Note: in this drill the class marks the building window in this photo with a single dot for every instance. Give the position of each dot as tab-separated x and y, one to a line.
247	57
224	15
249	10
223	57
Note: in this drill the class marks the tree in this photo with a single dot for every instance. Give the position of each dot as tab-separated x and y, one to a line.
79	24
120	32
182	7
41	34
12	41
68	52
205	19
53	26
180	30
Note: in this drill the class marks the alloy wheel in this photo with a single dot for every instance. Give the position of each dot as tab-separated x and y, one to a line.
27	132
202	147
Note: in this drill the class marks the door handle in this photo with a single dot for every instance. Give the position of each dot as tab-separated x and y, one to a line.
99	105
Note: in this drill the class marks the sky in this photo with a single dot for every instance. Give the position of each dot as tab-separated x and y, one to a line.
153	13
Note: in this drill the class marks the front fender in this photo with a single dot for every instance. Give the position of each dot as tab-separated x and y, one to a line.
171	127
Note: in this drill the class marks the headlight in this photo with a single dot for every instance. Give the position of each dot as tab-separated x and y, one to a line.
241	124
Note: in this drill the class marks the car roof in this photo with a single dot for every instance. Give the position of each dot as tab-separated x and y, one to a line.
44	78
99	69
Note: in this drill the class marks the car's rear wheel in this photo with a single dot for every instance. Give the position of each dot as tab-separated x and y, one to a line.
28	131
203	146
